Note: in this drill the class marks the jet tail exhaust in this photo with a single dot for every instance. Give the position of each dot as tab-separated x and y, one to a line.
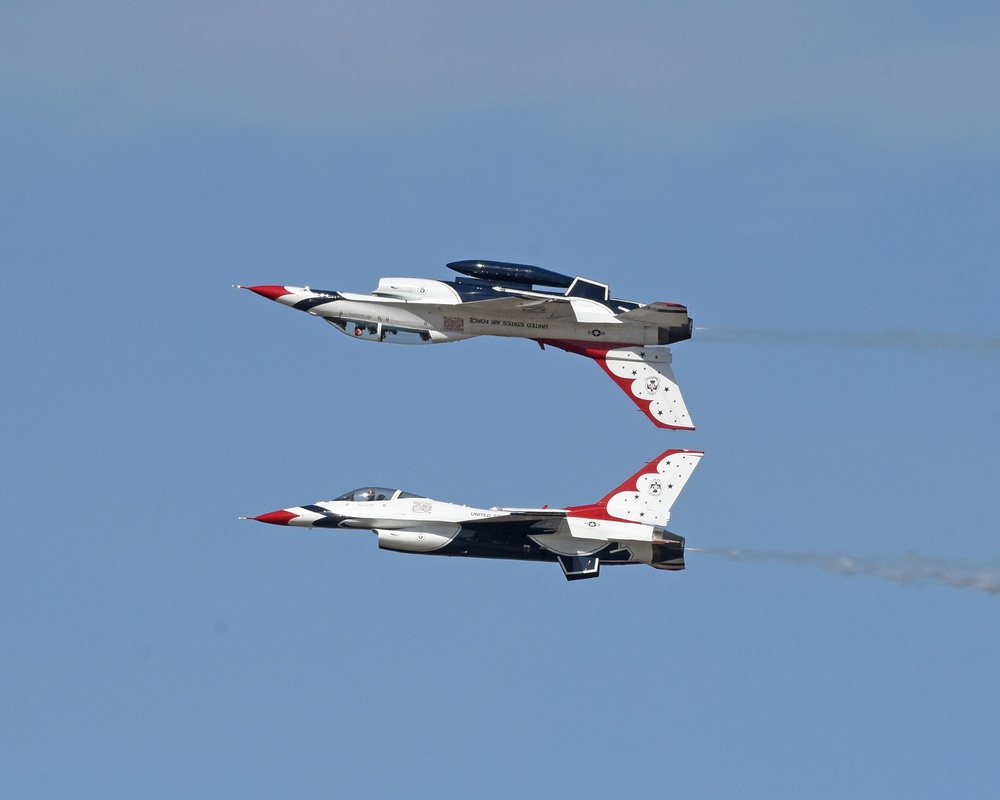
911	568
900	338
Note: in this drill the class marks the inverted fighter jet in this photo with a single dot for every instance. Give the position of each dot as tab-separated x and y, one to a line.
500	299
626	526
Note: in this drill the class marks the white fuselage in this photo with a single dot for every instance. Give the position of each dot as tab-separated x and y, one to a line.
420	524
410	524
392	514
436	309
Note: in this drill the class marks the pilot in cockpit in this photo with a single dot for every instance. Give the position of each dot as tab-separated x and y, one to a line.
369	496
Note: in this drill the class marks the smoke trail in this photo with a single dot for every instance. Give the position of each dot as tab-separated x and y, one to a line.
909	569
914	340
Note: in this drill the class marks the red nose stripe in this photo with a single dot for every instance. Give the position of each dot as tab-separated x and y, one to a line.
270	292
276	517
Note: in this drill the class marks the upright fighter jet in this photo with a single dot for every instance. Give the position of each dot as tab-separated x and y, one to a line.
626	526
496	298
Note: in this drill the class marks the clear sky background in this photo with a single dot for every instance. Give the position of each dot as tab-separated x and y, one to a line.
824	174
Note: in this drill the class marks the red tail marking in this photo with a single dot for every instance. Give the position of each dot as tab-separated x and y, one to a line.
599	354
598	510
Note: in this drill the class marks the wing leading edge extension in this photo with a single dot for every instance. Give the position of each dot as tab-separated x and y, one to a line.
644	374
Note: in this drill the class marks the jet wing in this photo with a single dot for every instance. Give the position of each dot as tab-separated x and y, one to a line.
644	374
524	517
552	307
524	520
549	306
521	301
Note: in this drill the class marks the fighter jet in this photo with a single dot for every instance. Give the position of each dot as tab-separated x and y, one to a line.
495	298
626	526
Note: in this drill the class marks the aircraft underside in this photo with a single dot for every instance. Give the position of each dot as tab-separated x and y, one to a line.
514	545
375	320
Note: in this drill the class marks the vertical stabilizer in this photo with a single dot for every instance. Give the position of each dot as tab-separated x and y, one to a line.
647	496
644	374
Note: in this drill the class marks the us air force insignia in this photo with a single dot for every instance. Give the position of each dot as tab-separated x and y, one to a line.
652	384
655	488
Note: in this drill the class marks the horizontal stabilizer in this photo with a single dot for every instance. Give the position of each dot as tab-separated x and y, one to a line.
671	320
644	374
656	313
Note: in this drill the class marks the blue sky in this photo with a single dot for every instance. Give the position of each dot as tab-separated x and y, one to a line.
773	167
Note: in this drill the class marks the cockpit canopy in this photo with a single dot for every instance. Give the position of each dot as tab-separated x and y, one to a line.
372	493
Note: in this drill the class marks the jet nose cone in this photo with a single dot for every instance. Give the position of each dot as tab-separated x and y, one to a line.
276	517
270	292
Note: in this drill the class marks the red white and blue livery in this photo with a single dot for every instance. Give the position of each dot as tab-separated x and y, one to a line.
495	298
626	526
